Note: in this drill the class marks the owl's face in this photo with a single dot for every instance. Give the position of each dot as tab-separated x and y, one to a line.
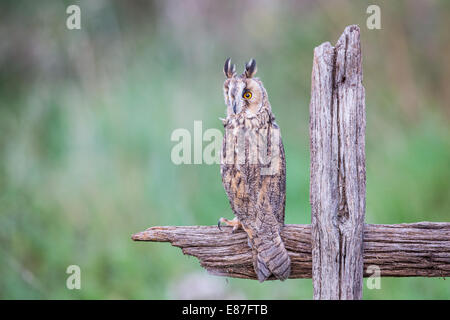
244	95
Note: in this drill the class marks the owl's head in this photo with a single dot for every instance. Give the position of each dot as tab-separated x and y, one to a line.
244	94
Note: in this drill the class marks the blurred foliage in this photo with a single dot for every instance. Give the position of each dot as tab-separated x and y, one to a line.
86	118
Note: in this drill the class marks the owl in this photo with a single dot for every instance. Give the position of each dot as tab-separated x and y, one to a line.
253	170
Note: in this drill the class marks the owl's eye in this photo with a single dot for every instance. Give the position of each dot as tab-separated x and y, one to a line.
247	95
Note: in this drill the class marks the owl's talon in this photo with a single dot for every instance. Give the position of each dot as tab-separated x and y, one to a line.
235	223
223	220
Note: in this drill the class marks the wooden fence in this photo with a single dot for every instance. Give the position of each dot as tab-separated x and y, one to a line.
337	249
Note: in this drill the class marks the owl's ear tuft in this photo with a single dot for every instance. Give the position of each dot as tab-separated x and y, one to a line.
250	68
229	69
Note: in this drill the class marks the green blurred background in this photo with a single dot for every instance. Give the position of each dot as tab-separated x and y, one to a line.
86	118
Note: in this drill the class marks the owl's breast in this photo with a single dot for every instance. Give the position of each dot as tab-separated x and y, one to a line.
253	169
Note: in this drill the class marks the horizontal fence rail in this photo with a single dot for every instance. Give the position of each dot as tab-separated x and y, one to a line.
400	250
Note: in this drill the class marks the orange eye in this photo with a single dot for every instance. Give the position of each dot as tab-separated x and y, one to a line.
247	95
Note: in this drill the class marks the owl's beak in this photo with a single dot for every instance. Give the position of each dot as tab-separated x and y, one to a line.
234	107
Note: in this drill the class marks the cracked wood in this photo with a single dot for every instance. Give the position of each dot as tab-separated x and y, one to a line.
338	178
399	250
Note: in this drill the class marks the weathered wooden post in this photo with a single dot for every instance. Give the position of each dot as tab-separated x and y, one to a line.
338	174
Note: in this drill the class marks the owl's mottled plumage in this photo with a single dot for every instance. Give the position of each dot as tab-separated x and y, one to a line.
253	170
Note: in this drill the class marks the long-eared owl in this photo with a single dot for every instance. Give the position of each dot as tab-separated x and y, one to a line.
253	170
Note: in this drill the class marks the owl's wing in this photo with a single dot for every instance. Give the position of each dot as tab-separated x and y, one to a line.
277	193
233	180
269	253
272	189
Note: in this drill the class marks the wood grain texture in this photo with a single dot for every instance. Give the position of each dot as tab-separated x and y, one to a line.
338	177
399	250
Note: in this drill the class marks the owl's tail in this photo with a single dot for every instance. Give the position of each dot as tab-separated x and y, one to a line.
270	257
